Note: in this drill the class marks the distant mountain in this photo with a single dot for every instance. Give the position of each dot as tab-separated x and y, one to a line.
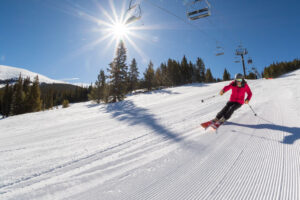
11	74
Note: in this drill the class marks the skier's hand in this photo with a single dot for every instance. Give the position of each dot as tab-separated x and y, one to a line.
221	92
246	101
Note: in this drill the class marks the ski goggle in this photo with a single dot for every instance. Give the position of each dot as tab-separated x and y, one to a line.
239	80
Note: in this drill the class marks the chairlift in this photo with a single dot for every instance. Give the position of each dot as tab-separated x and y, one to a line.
241	50
198	9
250	61
237	60
220	51
134	12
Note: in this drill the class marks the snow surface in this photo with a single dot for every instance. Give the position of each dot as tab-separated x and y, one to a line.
151	146
7	72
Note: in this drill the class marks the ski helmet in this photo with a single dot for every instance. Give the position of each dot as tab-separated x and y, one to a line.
238	76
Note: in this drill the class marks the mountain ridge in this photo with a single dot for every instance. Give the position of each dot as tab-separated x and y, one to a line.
11	74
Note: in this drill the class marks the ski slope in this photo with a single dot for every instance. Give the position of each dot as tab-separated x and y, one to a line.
151	146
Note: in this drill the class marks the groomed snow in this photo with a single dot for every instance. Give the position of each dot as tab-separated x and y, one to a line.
151	146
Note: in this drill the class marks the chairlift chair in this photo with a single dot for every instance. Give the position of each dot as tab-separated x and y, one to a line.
134	12
220	51
241	50
250	61
237	60
196	12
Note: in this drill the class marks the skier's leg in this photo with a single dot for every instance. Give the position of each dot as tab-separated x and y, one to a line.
234	106
224	110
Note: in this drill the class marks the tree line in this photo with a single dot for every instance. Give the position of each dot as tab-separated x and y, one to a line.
21	97
279	68
30	96
121	79
26	96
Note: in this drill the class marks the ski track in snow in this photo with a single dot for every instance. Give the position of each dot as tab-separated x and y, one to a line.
151	146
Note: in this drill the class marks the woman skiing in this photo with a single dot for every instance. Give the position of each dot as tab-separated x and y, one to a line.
239	87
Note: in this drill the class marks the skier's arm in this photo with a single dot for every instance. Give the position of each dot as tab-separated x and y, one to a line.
226	88
249	93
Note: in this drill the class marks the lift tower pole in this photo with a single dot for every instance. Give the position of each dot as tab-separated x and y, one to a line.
244	68
240	51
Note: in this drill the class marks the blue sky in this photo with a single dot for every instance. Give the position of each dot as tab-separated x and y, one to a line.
55	37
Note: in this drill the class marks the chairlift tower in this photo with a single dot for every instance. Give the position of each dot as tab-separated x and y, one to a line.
241	51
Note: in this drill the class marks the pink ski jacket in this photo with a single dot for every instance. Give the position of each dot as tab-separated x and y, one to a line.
238	93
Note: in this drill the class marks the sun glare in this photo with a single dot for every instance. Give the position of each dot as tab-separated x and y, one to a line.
120	30
115	26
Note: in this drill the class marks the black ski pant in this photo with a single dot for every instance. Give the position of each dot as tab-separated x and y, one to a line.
227	111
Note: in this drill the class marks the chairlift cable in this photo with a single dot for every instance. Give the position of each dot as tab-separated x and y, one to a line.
180	18
187	22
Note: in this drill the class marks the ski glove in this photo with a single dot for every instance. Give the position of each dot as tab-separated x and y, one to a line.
246	101
221	92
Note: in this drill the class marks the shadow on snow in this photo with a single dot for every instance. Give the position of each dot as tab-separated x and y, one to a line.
290	139
128	112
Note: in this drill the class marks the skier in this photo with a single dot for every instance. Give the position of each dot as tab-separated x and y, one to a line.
239	87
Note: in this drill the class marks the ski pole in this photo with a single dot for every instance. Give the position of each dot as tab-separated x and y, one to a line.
252	110
202	100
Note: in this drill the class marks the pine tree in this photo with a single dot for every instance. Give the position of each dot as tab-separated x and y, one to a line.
133	76
226	75
1	103
26	85
149	77
192	77
118	74
200	70
49	100
35	96
174	72
18	98
209	77
26	89
158	78
97	93
106	93
184	69
166	81
6	100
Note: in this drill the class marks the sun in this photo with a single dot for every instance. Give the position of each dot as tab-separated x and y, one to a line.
114	26
120	30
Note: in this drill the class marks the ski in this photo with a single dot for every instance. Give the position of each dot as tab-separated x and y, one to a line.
205	125
213	125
